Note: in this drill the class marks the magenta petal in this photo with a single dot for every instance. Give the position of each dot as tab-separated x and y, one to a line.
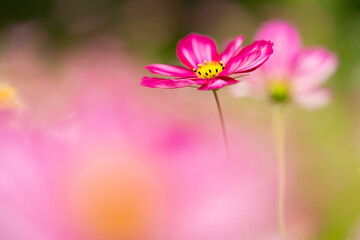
232	49
313	99
312	67
287	44
217	83
168	70
166	83
250	58
194	49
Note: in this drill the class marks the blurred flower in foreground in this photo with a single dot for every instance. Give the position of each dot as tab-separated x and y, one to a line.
205	66
8	97
292	73
115	170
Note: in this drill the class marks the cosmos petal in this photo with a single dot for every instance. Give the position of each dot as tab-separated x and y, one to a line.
250	58
169	70
194	49
232	49
167	83
312	67
287	44
217	83
313	99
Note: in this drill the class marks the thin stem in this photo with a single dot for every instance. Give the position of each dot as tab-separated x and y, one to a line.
279	132
222	123
244	225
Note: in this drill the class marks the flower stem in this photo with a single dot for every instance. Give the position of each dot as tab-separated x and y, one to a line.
222	123
279	132
244	225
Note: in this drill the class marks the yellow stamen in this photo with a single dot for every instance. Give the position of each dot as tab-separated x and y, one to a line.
209	69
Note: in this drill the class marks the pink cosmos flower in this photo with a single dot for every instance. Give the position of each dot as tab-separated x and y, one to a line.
207	68
292	73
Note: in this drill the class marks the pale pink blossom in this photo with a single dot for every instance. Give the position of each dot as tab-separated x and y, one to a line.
292	73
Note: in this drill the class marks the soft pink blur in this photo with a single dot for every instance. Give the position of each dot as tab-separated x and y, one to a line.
113	162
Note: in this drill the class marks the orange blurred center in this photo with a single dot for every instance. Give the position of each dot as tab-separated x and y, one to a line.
113	200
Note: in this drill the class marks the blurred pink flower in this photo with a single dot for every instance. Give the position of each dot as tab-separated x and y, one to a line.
112	169
292	73
205	66
28	67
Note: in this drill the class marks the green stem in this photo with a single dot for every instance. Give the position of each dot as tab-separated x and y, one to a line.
279	131
222	123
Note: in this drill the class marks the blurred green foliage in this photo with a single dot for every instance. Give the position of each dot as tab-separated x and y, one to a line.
152	28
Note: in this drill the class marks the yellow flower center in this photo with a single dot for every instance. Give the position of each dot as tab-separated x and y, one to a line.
8	97
209	70
279	91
